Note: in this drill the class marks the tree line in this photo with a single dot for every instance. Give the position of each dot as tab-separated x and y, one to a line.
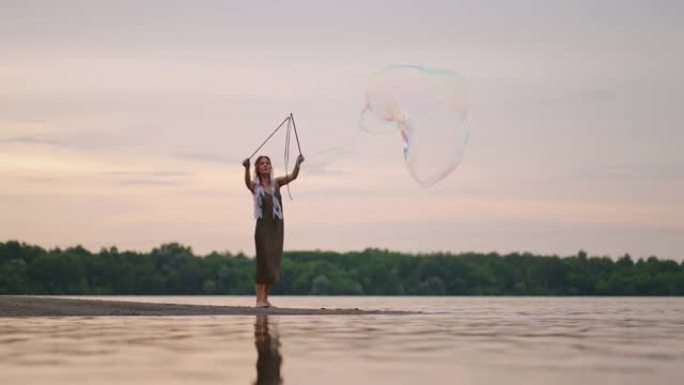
173	269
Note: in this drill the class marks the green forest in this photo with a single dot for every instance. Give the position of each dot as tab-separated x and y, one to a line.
173	269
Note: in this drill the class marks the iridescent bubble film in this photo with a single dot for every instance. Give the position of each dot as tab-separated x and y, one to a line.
429	108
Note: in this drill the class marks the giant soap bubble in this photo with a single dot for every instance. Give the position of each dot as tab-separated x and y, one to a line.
429	108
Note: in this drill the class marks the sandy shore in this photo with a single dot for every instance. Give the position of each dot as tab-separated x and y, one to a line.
28	306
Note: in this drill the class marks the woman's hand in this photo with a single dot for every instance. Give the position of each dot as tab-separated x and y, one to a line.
248	178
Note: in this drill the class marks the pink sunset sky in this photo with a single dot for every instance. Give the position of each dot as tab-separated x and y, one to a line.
124	123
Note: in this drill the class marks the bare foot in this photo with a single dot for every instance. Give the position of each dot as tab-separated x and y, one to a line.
263	304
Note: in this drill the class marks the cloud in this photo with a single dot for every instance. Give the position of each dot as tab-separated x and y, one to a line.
32	139
150	182
150	178
41	179
151	174
207	157
321	168
630	172
71	140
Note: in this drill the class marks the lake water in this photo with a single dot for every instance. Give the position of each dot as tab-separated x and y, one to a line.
454	340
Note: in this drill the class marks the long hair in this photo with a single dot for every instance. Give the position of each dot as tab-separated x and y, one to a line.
257	177
259	192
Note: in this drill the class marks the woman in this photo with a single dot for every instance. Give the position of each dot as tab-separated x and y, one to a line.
268	211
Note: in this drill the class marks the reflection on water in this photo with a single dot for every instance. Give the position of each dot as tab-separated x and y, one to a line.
268	349
531	341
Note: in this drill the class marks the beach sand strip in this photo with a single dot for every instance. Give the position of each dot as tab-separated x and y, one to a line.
31	306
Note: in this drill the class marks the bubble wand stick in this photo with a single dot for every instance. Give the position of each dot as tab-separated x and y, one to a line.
295	131
290	125
269	137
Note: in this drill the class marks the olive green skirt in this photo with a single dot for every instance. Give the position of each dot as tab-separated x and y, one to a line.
268	238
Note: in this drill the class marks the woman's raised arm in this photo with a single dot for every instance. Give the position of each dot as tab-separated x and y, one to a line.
248	178
283	180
